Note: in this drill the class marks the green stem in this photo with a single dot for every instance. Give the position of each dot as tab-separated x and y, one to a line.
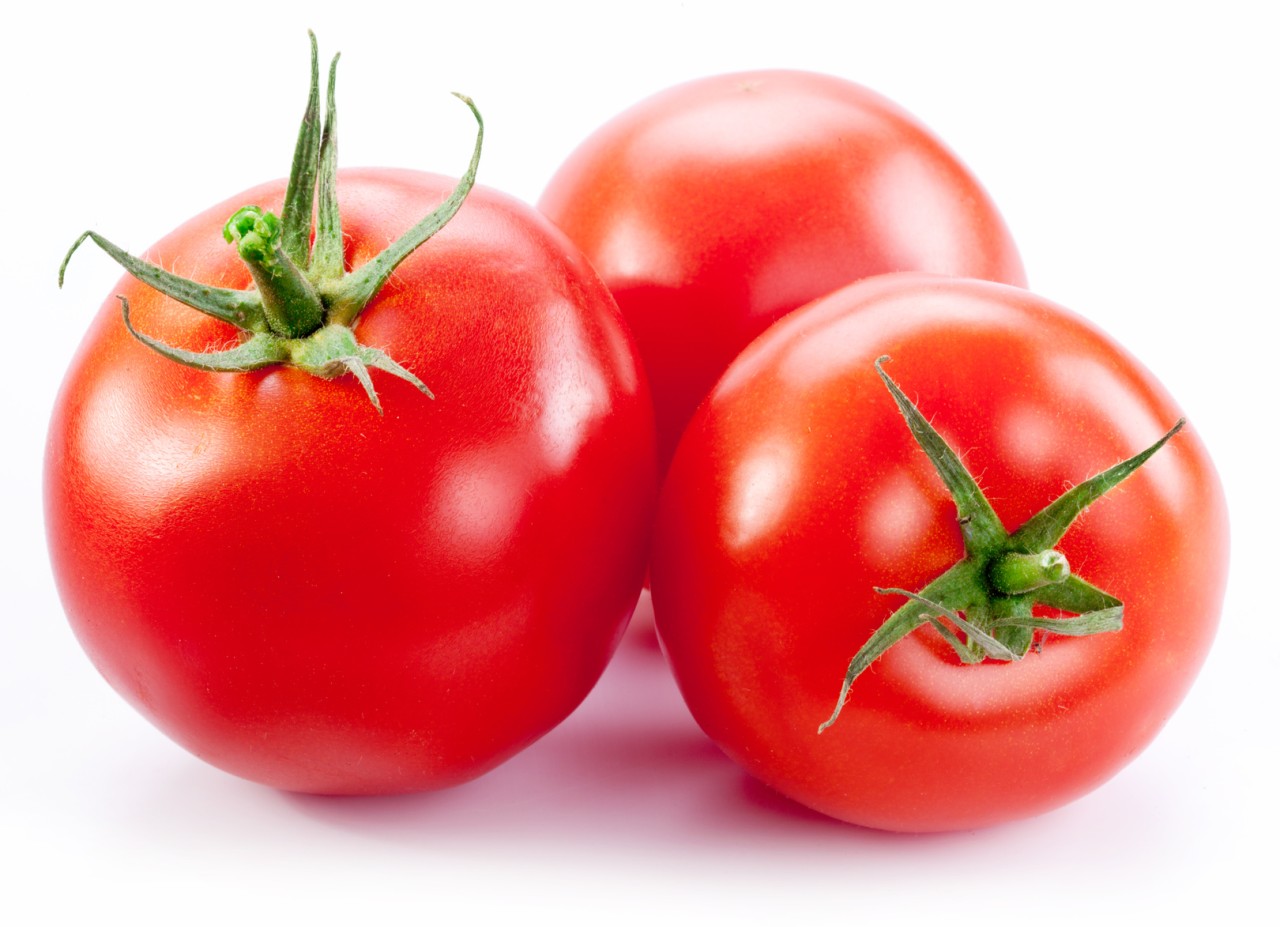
292	306
1016	573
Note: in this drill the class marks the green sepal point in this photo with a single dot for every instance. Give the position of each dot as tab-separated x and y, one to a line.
357	288
241	308
300	191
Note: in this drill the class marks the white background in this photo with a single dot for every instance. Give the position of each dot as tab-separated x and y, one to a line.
1131	148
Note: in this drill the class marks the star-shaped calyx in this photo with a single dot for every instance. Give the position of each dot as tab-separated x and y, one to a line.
303	303
983	605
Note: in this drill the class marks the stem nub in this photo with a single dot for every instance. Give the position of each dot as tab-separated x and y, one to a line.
291	303
1016	573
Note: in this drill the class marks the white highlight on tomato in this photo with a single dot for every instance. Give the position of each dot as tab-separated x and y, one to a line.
761	492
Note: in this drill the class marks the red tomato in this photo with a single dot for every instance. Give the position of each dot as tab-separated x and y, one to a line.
321	598
717	206
798	489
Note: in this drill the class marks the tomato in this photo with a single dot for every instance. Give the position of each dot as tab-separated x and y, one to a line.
321	597
717	206
799	490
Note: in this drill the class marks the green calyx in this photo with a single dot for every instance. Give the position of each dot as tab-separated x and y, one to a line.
983	605
303	304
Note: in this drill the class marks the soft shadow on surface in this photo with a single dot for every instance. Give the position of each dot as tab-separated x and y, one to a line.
629	767
627	788
630	772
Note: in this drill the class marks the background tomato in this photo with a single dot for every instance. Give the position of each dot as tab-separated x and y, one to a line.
717	206
317	597
798	489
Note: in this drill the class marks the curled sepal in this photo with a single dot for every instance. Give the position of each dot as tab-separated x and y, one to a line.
360	286
261	350
942	592
333	351
1046	528
360	370
241	308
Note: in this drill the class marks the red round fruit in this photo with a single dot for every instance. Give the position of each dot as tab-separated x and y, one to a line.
713	208
798	489
319	597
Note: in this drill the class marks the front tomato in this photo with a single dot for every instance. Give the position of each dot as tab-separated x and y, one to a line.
319	596
799	491
717	206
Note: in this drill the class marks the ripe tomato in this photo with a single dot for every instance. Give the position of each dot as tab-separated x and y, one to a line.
798	489
717	206
319	597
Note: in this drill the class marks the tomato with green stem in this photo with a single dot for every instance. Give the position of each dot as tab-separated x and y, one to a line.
374	518
988	579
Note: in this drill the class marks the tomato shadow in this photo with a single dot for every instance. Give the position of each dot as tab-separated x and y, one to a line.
629	780
629	769
628	784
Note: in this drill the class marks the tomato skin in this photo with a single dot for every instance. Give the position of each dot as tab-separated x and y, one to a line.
798	488
717	206
322	599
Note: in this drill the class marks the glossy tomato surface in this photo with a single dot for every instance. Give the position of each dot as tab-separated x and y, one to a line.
715	207
798	489
320	598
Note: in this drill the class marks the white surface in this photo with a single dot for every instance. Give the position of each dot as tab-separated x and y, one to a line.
1131	148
